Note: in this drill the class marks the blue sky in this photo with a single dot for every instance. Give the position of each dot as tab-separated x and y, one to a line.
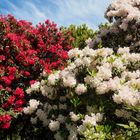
62	12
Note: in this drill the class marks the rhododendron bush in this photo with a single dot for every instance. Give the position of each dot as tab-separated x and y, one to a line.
96	91
124	30
24	51
90	92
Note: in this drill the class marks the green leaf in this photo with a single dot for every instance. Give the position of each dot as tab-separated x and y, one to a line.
120	137
124	126
75	101
100	45
92	73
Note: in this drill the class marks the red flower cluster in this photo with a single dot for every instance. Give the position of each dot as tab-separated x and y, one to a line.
5	121
25	51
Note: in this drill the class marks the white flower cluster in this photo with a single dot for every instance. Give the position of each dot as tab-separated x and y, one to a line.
34	87
90	120
33	105
128	10
91	71
93	119
107	74
54	125
80	89
52	78
74	117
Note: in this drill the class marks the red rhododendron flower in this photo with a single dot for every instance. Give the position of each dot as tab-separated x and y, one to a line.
7	117
31	62
11	77
18	109
19	102
26	73
5	121
6	80
1	87
8	89
5	125
2	57
18	91
11	99
12	70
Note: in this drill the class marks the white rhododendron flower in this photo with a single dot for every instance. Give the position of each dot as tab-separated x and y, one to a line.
128	96
123	50
74	53
33	104
118	64
86	61
69	81
92	119
74	117
28	91
134	57
78	62
102	88
52	78
104	52
54	125
88	51
104	72
35	86
80	89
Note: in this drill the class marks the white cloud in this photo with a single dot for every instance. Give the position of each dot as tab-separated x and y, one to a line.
80	11
27	10
63	12
35	10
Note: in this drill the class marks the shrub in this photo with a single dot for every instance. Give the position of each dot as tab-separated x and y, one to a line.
92	98
124	29
80	34
24	51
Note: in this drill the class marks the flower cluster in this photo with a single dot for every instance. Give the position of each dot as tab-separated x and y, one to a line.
96	86
123	31
33	104
128	10
25	51
5	119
